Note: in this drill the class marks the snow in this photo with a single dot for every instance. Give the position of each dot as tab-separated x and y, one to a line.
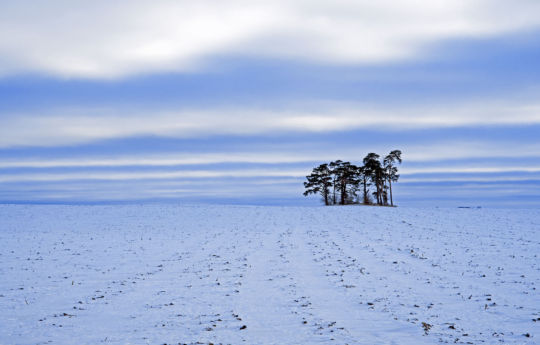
168	274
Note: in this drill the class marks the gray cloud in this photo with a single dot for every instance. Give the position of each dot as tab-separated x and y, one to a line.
110	39
75	126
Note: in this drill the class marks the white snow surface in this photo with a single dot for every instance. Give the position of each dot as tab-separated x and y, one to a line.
171	274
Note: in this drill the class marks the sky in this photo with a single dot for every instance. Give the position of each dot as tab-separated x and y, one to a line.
236	101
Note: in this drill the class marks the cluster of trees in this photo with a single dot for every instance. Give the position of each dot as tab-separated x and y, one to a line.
344	183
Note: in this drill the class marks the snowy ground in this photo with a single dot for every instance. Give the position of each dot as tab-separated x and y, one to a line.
164	274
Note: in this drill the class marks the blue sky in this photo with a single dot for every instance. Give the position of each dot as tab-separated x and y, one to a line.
235	102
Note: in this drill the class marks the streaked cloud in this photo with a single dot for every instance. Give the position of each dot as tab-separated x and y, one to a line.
425	180
236	101
274	171
197	174
492	169
74	126
447	150
104	39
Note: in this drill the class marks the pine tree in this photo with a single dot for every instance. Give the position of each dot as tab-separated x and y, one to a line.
334	172
347	182
320	182
363	176
343	179
374	170
391	169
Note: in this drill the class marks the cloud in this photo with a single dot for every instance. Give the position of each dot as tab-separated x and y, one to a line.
76	126
435	152
474	170
110	39
153	175
479	179
269	172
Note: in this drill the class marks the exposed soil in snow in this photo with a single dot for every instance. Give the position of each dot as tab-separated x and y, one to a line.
164	274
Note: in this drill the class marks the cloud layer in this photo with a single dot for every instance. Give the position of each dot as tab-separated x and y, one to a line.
110	39
76	126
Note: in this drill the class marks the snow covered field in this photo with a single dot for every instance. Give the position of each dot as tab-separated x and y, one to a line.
166	274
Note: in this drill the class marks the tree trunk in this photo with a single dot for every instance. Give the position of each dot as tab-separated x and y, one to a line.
379	196
390	184
334	194
385	195
381	191
365	192
343	192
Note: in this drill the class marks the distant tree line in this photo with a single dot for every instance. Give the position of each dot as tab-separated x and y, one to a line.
343	183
